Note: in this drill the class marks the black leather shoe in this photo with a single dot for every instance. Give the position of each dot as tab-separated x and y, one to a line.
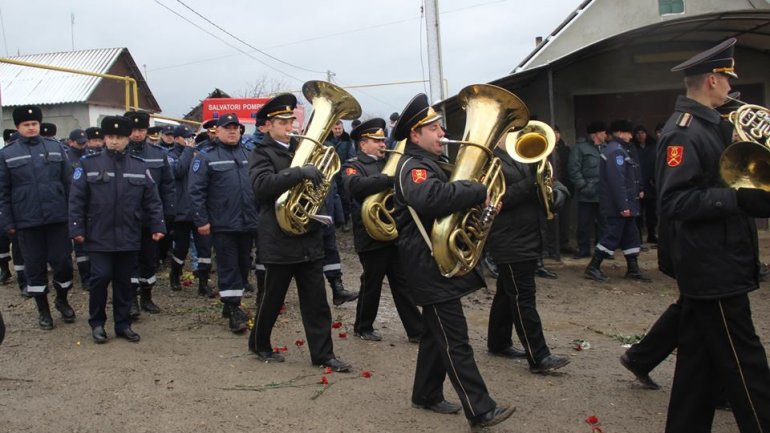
270	357
238	319
129	335
67	313
339	294
595	274
369	335
45	320
545	273
443	407
644	378
493	417
337	365
509	352
550	363
146	302
100	336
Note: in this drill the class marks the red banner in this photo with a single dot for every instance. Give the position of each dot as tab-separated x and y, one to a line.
245	108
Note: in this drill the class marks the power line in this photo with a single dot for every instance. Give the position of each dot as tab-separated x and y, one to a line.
246	43
5	42
227	43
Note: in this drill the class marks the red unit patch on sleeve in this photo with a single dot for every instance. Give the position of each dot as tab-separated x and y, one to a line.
419	175
350	171
674	155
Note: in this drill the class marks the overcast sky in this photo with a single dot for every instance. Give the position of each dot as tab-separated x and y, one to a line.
360	41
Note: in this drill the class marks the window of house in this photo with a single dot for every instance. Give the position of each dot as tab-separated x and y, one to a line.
667	7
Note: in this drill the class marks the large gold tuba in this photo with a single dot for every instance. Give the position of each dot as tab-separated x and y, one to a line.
531	144
458	239
296	207
377	209
746	163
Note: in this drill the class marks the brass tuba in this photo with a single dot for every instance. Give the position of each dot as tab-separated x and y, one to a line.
531	144
746	163
296	207
458	239
377	209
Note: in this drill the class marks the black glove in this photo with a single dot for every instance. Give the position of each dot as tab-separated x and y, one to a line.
311	173
559	197
754	202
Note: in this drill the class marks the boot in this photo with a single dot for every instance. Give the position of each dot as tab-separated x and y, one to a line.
238	319
135	312
5	272
145	300
633	272
21	280
203	285
593	271
174	275
61	304
339	294
44	318
84	279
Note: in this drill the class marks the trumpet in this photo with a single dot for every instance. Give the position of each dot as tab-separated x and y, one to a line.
746	163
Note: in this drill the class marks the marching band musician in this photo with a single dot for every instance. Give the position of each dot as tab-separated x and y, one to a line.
515	244
157	162
362	177
35	168
223	206
708	242
423	194
286	256
180	158
112	194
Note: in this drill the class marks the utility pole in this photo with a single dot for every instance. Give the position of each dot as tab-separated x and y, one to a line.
72	30
435	69
329	75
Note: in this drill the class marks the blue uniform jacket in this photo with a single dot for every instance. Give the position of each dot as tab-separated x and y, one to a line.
620	180
34	183
220	190
180	158
156	158
112	196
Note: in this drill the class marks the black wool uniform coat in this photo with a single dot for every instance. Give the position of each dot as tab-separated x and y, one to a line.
271	175
706	242
423	185
362	177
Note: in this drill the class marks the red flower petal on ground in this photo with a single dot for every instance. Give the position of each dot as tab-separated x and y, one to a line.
366	373
300	342
327	370
276	349
282	310
283	349
592	420
324	380
336	325
343	334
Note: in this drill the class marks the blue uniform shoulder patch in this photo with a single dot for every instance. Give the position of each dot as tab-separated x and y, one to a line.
77	174
196	165
619	159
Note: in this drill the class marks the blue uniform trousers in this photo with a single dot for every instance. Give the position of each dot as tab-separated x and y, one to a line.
233	257
620	232
115	268
42	245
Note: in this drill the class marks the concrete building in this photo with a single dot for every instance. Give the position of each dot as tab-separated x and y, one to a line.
71	100
611	58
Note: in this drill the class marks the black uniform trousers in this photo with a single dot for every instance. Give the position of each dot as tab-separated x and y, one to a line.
376	265
115	268
5	248
182	231
83	262
332	265
42	245
313	306
444	350
589	220
148	259
717	340
514	305
620	232
660	341
233	257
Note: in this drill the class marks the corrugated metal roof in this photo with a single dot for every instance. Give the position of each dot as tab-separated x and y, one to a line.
25	85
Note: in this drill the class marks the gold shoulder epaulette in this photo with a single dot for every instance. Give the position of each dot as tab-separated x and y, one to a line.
684	120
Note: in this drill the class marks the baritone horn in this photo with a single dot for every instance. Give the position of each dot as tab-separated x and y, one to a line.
377	209
746	163
534	143
458	239
299	205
